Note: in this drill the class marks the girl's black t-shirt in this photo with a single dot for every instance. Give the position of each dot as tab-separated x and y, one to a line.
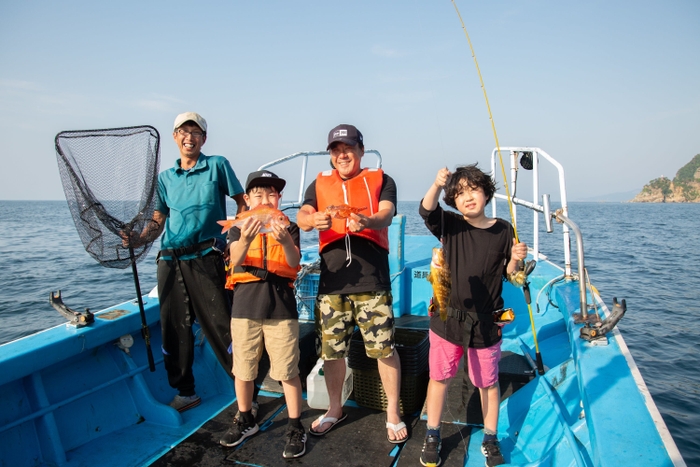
477	259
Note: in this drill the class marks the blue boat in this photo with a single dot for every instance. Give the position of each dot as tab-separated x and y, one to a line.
81	394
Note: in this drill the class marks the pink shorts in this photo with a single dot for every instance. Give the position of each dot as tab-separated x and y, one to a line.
444	360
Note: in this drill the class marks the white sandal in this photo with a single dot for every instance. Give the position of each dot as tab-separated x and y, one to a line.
396	428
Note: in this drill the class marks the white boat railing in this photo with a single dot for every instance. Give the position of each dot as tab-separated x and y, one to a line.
529	159
304	168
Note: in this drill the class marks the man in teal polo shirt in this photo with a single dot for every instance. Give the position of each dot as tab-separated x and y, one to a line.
191	198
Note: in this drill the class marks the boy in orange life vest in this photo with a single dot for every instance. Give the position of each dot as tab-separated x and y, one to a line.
264	312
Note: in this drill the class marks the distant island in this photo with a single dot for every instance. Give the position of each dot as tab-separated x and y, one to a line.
684	188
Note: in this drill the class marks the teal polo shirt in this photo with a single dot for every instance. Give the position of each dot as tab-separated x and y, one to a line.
193	200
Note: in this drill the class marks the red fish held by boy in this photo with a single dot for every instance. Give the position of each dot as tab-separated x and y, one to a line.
266	215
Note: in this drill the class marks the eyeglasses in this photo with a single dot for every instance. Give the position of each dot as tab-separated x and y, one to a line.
194	134
337	151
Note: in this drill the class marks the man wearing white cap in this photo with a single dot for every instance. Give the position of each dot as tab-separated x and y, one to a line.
191	198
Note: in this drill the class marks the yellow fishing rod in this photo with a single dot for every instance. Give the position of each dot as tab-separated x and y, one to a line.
525	272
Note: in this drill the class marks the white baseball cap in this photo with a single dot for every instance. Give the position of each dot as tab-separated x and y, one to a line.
190	116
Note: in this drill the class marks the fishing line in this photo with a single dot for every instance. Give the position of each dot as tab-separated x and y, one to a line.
526	291
493	124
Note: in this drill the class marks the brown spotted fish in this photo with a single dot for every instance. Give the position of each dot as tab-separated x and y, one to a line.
439	277
342	211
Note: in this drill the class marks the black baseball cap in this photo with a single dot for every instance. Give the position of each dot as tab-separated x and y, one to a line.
344	133
264	178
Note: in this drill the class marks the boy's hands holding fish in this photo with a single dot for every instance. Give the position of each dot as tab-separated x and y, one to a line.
261	218
280	233
249	229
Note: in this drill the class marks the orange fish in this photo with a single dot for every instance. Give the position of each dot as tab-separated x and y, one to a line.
441	280
342	211
265	214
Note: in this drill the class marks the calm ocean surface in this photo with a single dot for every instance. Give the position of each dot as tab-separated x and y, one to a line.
645	253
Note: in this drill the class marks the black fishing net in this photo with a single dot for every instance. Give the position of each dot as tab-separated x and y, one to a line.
110	178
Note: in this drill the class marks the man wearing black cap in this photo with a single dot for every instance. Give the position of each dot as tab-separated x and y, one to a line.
191	198
354	285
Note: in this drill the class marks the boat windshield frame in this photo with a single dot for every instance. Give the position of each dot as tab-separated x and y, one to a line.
304	171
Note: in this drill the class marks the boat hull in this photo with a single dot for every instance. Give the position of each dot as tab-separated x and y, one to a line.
74	397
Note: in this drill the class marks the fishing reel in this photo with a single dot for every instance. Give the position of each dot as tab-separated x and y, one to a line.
503	316
591	332
519	277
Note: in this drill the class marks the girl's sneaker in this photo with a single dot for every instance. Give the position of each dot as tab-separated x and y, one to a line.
430	457
492	451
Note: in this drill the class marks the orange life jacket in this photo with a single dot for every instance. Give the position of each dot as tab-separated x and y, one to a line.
265	255
362	190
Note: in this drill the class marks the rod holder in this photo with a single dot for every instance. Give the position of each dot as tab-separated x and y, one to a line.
546	211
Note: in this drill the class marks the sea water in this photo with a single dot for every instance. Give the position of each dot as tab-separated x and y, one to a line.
647	254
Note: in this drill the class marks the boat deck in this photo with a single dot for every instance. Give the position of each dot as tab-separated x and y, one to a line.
360	440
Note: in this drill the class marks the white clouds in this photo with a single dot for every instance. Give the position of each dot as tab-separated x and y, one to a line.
12	85
158	103
386	52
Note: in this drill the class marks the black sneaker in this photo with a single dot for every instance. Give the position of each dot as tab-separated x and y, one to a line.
238	433
431	451
492	451
296	443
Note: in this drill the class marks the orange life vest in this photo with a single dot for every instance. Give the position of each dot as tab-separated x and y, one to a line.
265	255
362	190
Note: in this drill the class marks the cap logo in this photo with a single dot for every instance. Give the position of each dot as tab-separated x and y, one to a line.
339	133
265	174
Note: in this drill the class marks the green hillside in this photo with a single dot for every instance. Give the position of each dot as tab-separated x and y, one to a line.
684	188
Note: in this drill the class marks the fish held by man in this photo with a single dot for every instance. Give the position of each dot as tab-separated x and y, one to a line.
266	215
439	276
342	211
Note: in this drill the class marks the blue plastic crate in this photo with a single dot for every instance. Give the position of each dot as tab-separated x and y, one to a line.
306	293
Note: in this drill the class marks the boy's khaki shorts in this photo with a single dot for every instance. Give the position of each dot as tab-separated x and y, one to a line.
281	340
336	316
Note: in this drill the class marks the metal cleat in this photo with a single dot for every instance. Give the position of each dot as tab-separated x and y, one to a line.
75	318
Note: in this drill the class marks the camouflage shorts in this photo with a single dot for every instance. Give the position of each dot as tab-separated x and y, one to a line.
336	316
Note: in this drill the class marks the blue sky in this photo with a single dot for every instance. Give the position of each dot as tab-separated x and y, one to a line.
609	88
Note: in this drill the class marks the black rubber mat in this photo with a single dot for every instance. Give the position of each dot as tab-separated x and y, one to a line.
202	448
360	440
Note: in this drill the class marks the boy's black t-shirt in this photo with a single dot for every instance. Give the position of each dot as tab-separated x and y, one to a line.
369	269
478	259
264	299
